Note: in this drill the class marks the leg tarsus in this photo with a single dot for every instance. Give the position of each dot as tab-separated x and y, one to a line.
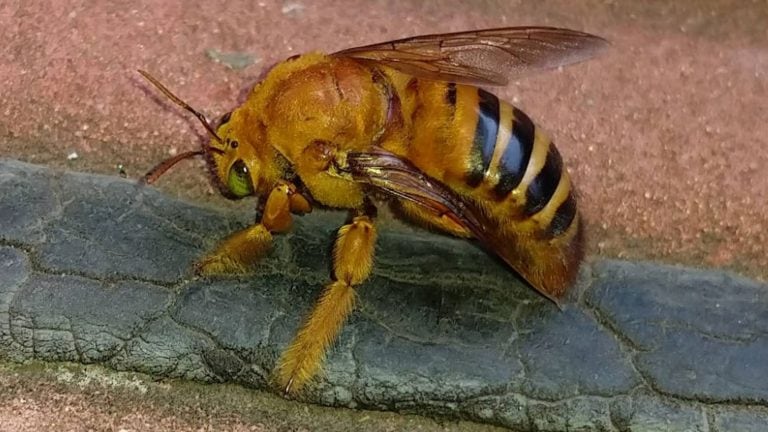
303	359
237	253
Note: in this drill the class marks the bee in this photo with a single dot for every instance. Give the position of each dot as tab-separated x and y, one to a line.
407	123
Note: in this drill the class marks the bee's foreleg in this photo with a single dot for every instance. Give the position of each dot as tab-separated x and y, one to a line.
238	252
352	263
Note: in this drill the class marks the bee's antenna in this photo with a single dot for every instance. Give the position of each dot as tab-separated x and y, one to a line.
181	103
163	166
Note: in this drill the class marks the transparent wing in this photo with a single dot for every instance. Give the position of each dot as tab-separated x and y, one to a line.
482	57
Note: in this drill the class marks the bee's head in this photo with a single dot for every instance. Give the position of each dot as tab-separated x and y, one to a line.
231	153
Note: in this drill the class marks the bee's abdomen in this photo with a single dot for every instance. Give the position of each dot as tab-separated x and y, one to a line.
493	155
517	165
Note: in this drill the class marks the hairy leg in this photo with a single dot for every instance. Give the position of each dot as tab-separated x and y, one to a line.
352	264
238	252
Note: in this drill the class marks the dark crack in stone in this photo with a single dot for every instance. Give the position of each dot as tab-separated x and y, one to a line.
568	354
14	269
645	412
104	226
96	269
123	230
165	348
700	334
71	318
579	413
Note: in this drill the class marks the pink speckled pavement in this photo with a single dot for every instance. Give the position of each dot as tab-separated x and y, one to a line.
665	134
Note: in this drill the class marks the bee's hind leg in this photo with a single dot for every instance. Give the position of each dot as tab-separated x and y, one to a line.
352	264
238	252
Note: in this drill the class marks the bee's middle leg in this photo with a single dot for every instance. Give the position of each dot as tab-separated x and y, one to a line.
352	264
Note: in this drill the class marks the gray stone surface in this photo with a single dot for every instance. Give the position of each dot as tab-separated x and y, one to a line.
96	270
705	339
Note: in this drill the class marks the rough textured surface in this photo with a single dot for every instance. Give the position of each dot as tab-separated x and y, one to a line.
95	269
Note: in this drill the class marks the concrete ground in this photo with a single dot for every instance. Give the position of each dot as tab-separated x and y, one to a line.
665	135
40	397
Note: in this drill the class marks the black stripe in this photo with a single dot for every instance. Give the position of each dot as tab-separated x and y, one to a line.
450	94
224	119
485	137
563	216
516	155
543	186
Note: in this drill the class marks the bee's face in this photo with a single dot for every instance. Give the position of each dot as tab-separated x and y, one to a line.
235	165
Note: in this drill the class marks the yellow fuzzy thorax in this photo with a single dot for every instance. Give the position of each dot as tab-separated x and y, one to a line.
262	93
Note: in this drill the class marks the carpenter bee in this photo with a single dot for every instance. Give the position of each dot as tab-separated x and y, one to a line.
407	120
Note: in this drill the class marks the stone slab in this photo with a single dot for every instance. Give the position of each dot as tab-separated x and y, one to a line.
96	269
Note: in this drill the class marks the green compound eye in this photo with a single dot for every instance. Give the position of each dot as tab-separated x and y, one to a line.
239	181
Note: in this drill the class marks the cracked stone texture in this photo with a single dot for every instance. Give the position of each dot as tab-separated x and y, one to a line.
95	269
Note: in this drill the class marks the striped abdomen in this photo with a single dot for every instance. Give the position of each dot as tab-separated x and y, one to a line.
493	153
513	165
